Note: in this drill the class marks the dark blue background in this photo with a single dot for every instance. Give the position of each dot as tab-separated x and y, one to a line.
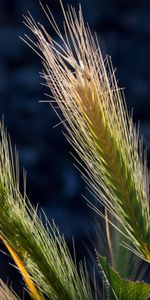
123	27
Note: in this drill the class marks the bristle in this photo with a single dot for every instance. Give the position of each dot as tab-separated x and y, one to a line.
6	293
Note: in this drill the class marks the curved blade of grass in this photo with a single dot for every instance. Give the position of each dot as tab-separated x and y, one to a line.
123	289
42	250
98	124
29	283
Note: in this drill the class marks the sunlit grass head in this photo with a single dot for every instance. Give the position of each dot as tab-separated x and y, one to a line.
39	251
97	122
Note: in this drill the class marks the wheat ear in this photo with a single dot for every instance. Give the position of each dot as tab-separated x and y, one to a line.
97	122
39	251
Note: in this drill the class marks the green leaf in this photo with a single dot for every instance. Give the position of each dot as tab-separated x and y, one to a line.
122	289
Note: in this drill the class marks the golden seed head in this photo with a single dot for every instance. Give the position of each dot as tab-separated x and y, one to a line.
98	124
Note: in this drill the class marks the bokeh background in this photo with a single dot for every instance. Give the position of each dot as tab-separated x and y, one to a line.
123	28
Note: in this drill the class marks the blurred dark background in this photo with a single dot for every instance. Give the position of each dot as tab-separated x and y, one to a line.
123	27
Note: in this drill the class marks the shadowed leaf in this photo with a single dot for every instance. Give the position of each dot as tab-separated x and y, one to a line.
122	289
